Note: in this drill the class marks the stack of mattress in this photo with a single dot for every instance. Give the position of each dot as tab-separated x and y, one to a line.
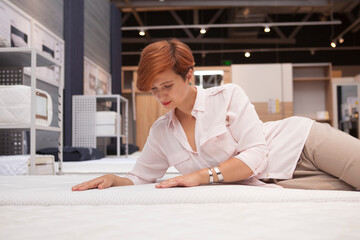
20	165
106	123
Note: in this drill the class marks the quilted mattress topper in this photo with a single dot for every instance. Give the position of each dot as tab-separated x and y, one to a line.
15	105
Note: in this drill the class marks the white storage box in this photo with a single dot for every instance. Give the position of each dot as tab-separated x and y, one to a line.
15	105
20	165
106	123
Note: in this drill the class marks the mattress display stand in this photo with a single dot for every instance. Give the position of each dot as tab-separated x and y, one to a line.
29	57
84	120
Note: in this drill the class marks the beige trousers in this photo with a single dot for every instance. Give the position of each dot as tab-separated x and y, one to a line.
330	160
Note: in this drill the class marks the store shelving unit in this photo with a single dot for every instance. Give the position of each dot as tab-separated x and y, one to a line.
84	120
30	57
312	90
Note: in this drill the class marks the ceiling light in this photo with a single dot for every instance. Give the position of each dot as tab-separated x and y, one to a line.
142	32
341	40
232	25
247	54
333	44
267	29
202	30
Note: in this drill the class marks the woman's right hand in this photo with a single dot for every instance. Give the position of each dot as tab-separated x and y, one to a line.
102	182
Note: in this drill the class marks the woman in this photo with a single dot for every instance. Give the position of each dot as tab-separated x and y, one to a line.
214	135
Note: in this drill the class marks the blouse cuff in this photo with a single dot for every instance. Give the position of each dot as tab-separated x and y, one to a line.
256	161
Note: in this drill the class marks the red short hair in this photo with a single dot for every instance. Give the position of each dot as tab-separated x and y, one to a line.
161	56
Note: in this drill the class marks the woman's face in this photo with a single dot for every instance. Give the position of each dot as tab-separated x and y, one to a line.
171	89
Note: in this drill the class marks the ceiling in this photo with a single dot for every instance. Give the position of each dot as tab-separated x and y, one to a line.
301	30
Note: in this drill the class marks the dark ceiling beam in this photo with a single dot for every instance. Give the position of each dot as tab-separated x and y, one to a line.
180	22
224	3
196	16
212	20
125	18
277	29
340	35
351	5
297	29
218	40
137	17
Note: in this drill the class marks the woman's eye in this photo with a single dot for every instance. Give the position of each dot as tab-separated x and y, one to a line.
169	86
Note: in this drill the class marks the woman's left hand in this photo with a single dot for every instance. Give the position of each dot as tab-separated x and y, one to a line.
188	180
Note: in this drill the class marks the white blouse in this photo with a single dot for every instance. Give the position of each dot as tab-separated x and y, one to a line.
227	126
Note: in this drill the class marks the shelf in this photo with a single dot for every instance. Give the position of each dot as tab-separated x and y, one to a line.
111	135
46	80
37	127
21	57
303	79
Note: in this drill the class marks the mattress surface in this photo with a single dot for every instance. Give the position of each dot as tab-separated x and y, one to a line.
56	190
250	221
30	207
105	165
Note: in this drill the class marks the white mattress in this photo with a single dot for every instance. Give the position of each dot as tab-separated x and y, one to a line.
105	165
15	105
20	165
43	207
106	123
56	190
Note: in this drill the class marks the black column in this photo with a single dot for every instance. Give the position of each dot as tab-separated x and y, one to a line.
74	60
115	48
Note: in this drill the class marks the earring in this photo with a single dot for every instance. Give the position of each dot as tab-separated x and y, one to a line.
190	83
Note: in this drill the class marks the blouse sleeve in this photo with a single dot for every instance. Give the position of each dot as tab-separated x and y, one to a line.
247	129
150	165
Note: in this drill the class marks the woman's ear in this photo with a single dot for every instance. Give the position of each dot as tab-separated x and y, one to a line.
189	75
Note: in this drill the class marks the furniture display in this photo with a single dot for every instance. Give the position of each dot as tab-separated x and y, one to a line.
346	107
313	91
88	124
269	87
12	63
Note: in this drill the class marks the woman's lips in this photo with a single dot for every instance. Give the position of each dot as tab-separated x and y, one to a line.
166	103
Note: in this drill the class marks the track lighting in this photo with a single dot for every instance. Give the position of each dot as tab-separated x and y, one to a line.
142	32
202	30
266	29
333	44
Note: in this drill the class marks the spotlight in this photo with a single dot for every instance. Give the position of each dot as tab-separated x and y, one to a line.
202	30
267	29
247	54
333	44
341	40
142	32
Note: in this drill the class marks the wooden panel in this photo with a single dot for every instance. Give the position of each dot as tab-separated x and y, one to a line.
336	73
148	110
265	116
97	32
48	13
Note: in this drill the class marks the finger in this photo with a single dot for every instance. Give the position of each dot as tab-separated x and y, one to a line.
105	184
88	185
168	183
